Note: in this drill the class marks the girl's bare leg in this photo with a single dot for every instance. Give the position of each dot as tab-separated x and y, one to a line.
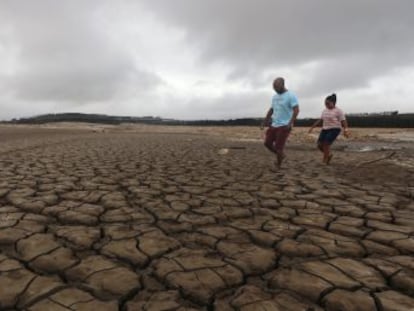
320	147
326	153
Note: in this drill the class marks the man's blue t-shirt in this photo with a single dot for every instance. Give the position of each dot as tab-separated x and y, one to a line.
282	105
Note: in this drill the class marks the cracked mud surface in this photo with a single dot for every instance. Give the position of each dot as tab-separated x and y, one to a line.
164	221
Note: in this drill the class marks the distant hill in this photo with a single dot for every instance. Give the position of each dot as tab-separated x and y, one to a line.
361	120
107	119
84	117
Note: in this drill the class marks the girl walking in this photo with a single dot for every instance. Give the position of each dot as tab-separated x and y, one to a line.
333	119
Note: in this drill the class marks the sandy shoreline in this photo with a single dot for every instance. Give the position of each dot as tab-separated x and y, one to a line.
242	132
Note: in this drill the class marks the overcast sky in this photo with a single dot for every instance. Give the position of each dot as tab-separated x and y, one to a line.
195	59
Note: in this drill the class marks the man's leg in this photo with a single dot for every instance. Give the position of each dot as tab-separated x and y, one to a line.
270	139
281	136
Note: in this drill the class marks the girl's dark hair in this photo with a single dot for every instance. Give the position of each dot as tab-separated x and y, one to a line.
331	98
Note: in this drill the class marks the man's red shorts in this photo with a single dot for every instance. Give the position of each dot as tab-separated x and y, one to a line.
276	138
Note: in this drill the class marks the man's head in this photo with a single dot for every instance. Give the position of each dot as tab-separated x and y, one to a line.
279	85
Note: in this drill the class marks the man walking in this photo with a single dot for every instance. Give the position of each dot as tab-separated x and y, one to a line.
280	119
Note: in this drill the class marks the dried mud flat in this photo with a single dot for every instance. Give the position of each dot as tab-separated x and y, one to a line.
157	218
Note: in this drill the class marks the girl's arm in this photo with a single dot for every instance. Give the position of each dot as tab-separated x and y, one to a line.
317	122
345	127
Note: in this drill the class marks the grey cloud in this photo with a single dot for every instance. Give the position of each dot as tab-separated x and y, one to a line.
254	36
82	53
99	83
65	54
228	105
332	75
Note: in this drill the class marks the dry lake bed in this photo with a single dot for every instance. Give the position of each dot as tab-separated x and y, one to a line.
132	217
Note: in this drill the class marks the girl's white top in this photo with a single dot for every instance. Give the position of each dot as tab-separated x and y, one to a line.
332	118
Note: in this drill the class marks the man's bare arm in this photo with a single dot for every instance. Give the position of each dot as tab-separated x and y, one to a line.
266	121
294	116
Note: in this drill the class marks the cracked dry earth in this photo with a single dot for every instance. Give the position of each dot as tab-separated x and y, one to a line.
158	221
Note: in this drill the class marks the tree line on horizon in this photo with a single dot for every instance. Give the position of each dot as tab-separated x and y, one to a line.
394	120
